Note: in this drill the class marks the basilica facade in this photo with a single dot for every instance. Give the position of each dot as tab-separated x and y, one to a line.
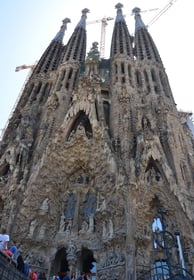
97	164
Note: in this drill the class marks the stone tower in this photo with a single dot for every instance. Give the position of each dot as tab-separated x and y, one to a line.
97	164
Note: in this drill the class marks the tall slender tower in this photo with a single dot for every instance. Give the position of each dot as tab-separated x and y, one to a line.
97	163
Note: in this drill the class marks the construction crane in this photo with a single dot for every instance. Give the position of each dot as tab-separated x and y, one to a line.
104	23
22	67
162	11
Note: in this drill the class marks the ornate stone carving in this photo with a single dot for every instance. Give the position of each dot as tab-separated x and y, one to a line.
84	227
107	229
44	208
112	259
152	175
65	225
111	266
53	102
72	251
33	226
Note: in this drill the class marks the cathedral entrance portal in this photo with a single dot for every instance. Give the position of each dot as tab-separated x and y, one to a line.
60	264
87	263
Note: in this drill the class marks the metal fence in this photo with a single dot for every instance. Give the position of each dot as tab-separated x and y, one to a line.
163	272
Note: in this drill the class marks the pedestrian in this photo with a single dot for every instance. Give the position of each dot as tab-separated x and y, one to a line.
20	263
13	248
41	276
4	239
66	277
82	276
26	269
33	275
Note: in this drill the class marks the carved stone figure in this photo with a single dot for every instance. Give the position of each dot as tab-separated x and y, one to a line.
44	208
33	225
65	224
84	227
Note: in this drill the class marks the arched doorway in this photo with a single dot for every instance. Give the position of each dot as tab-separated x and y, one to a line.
60	264
87	263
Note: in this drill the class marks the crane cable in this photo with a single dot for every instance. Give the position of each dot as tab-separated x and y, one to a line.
169	5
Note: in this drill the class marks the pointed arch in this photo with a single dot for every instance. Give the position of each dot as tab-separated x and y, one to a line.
60	264
154	171
86	260
82	120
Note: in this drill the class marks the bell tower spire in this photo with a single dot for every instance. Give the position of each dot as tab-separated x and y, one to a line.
51	57
154	80
144	45
121	39
122	84
76	47
73	59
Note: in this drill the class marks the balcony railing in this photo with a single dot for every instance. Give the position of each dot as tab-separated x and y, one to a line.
8	270
163	273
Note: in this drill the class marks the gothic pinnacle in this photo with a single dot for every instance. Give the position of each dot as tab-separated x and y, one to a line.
82	22
138	21
119	7
60	34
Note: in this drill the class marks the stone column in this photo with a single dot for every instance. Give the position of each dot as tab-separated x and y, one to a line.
72	257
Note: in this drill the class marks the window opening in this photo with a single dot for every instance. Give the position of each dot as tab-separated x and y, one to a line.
70	209
161	270
129	70
157	228
153	75
122	68
106	107
116	69
138	78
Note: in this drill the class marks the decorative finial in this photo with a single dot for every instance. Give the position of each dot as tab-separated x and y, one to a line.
138	21
119	7
136	11
93	54
84	13
60	34
65	21
82	22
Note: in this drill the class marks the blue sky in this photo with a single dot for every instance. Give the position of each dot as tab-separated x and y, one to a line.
28	26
